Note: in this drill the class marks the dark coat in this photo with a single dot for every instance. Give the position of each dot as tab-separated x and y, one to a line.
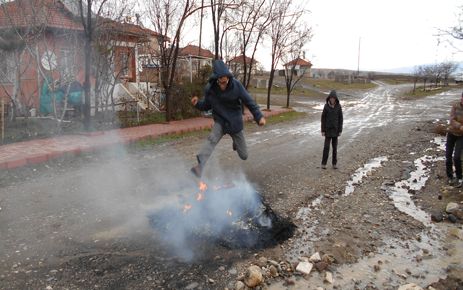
227	105
332	117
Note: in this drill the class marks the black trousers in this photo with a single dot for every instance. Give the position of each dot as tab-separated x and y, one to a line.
326	150
453	149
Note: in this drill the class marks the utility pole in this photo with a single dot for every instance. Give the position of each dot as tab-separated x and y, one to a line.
358	59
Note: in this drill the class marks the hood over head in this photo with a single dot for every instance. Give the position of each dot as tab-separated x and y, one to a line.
220	69
332	94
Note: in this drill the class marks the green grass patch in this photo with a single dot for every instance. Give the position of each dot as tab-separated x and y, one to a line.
285	117
282	91
333	85
150	142
420	92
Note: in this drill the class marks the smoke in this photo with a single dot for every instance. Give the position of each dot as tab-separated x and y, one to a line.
153	193
226	214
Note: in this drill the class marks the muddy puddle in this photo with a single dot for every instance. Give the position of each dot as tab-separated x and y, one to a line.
363	172
422	260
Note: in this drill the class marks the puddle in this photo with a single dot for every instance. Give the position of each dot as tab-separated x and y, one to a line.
360	173
422	260
440	142
400	192
397	263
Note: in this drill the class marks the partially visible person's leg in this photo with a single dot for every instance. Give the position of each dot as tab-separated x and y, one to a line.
326	150
239	144
207	148
457	157
334	142
449	148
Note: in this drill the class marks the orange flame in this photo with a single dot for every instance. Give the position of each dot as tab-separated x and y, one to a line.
187	207
202	186
199	196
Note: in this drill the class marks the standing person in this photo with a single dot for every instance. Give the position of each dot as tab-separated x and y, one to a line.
454	144
225	95
331	127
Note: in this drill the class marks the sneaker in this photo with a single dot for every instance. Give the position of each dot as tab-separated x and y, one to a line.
196	170
459	183
323	166
335	166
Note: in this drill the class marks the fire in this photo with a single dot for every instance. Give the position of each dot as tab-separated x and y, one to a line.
202	186
229	212
187	207
199	196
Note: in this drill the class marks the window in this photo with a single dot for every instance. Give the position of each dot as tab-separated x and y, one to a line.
124	62
7	66
66	64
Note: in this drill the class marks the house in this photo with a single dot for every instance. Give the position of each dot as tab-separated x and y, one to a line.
48	61
299	67
238	63
191	59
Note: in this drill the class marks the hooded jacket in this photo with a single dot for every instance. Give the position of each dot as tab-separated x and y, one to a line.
332	119
227	105
456	119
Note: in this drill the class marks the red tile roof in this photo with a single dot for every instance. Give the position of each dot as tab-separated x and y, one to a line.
127	28
54	14
299	61
192	50
34	13
240	59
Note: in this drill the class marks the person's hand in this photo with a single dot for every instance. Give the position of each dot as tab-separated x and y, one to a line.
339	134
262	121
323	133
194	100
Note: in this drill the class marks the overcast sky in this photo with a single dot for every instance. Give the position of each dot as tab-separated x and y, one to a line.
392	33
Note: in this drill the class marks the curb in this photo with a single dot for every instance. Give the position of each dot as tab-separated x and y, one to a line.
100	139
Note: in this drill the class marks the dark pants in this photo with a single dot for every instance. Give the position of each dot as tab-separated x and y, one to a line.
326	150
453	149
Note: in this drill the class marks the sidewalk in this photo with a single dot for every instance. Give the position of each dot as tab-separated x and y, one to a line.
41	150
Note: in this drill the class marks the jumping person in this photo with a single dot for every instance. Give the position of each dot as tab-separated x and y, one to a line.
331	127
225	95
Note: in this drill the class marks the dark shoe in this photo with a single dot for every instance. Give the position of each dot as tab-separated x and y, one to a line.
335	166
196	170
323	166
452	181
459	183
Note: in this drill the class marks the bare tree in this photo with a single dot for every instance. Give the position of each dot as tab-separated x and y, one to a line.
416	76
456	31
218	9
168	17
12	69
295	51
447	69
252	19
285	20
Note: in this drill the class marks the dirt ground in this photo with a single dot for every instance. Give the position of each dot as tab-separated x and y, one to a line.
80	223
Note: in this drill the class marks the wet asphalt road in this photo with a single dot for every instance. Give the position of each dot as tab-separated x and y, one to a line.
52	213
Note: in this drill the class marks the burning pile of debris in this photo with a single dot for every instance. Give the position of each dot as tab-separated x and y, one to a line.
232	215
